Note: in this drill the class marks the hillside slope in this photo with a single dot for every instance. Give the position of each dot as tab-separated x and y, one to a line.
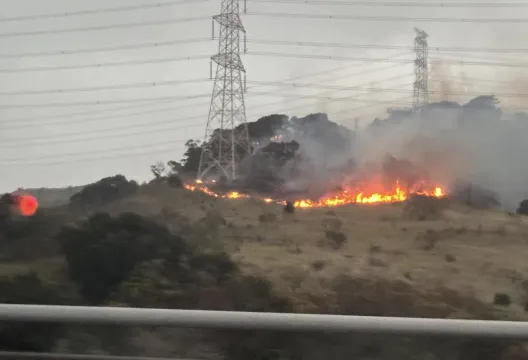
51	197
460	252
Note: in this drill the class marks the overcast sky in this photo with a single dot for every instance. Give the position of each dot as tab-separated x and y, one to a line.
44	146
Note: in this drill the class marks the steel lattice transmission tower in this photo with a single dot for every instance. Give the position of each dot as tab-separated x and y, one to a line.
421	89
226	139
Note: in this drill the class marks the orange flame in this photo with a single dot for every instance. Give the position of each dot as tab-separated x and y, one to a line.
348	196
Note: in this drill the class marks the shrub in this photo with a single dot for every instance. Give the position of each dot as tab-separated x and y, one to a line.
102	251
523	208
501	299
337	239
103	192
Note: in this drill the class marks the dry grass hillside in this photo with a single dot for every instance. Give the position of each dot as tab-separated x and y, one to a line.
402	259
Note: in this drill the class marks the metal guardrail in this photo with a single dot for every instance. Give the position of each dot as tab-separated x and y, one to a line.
262	321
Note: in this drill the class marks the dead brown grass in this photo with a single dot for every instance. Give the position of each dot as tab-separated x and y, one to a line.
466	253
474	253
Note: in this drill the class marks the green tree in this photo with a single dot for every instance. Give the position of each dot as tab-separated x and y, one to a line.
191	158
102	251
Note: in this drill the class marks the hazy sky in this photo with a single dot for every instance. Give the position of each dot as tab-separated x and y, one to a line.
45	146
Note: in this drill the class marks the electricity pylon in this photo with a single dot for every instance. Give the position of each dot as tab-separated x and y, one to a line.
421	88
226	139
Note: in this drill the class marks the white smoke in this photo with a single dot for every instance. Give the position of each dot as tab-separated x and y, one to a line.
474	143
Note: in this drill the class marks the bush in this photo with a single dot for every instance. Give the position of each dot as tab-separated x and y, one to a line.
501	299
103	192
336	239
174	181
102	251
523	208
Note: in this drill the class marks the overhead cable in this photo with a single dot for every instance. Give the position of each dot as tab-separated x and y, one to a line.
104	27
393	18
99	11
107	87
386	47
69	115
402	61
375	3
375	89
101	65
100	151
100	102
102	49
168	149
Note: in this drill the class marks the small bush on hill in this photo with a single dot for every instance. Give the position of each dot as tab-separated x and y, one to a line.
523	208
103	192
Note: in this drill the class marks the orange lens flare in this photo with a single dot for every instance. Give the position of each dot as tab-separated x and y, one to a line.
27	205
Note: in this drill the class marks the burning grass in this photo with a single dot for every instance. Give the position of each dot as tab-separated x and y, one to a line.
364	194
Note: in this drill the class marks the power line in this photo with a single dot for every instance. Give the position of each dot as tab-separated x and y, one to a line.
111	64
47	138
349	99
403	61
100	102
375	89
328	98
101	151
99	11
68	121
464	57
471	79
397	4
108	87
61	135
104	27
393	18
155	84
16	161
79	113
24	141
386	47
255	41
170	149
128	107
103	49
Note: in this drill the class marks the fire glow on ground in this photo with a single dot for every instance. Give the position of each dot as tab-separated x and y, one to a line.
347	196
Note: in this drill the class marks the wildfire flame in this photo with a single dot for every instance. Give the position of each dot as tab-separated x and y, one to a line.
347	196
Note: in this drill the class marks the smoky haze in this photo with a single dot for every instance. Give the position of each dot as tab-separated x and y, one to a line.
474	143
